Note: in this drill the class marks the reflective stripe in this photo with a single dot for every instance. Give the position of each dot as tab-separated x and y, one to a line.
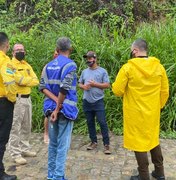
72	103
58	82
11	82
9	71
46	98
52	81
73	88
21	80
44	75
66	66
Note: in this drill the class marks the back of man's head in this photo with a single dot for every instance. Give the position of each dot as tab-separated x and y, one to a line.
63	44
3	38
141	44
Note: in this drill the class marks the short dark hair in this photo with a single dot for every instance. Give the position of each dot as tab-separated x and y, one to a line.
3	38
63	44
141	44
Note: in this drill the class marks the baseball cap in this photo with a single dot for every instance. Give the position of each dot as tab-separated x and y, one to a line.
90	54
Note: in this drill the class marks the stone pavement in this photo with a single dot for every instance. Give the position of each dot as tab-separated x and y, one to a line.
90	165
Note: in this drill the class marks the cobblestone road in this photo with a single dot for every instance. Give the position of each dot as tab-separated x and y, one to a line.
90	165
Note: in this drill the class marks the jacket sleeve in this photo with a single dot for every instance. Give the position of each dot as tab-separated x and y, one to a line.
67	76
7	74
30	80
119	86
43	79
164	88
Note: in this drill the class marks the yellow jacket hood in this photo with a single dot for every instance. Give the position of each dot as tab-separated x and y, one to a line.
144	65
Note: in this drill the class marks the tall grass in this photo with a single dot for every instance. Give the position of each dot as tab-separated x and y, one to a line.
112	50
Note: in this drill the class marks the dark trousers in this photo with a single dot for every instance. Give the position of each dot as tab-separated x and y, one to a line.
6	118
143	163
97	110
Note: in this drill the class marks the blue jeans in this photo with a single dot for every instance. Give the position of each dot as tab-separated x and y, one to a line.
60	138
97	110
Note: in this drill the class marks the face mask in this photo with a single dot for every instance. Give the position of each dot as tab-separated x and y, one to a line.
20	55
90	63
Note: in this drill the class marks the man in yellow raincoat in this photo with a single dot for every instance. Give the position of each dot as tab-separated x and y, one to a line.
143	83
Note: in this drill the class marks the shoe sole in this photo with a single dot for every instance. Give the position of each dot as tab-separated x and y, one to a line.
156	177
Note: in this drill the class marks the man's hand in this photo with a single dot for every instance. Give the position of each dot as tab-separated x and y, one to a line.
55	113
54	116
86	87
92	83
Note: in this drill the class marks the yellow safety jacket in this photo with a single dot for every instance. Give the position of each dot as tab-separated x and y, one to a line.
24	76
143	83
7	83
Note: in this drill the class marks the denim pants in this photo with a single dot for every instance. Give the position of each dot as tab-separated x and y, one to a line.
6	119
143	163
60	138
97	110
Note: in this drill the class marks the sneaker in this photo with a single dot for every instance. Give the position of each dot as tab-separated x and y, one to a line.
107	149
8	177
20	161
92	146
29	154
157	177
135	177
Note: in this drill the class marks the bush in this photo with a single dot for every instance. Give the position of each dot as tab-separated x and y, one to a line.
113	51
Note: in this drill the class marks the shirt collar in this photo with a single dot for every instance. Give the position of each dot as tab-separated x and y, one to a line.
2	53
17	61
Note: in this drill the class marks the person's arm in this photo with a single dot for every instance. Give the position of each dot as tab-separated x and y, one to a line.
7	74
81	84
118	87
101	85
49	95
84	87
43	88
64	87
92	83
164	94
30	80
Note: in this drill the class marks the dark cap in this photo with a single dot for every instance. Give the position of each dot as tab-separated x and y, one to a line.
90	54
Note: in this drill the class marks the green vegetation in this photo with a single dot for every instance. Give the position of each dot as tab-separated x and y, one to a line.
100	29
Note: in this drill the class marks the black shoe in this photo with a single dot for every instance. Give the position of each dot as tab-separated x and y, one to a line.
157	177
135	177
8	177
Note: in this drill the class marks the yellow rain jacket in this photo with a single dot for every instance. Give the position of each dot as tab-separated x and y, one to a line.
144	86
24	76
7	83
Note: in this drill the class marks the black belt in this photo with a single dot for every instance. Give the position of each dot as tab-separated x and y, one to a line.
23	95
3	98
